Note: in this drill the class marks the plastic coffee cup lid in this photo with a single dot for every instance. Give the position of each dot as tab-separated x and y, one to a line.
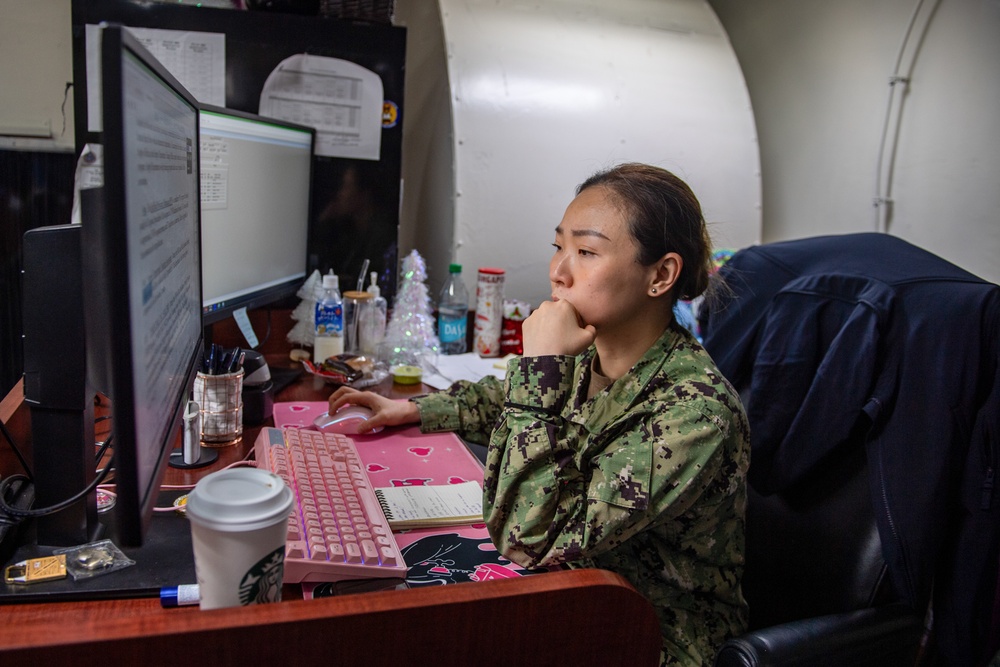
239	499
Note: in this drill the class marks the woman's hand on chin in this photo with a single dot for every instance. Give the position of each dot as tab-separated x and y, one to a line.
555	327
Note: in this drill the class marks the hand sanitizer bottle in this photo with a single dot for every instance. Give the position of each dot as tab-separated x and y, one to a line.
373	317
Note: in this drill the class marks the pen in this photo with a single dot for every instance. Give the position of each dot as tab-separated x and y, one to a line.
235	361
209	360
217	354
224	361
179	596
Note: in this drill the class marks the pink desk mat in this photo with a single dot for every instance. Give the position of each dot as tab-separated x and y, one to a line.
403	456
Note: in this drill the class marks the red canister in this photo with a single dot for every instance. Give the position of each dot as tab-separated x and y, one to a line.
489	312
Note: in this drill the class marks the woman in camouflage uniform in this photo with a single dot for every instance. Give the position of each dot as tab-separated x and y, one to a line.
614	441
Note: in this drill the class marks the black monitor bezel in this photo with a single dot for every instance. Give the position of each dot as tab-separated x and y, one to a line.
274	293
109	328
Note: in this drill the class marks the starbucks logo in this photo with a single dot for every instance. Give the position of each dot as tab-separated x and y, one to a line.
262	582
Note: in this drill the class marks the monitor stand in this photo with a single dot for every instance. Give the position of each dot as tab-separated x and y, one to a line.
165	559
282	377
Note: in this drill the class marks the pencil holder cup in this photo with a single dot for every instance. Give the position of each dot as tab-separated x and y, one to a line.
221	401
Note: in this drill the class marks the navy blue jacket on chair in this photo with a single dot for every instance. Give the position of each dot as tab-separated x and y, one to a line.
867	340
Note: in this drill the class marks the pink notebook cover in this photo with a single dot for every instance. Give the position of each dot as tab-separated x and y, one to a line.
403	456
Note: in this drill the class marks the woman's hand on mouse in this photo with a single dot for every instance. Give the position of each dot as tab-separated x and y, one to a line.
555	327
385	411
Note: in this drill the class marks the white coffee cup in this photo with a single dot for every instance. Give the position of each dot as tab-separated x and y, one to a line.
239	520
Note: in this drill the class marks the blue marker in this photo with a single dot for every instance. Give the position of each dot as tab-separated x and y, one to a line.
179	596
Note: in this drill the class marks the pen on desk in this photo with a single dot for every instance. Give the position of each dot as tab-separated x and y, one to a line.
179	596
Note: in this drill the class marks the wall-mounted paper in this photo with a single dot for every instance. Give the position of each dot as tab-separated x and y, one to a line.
341	99
196	59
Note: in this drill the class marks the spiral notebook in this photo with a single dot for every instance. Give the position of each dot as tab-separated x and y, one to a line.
435	505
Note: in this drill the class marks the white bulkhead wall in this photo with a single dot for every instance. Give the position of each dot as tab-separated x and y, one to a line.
542	94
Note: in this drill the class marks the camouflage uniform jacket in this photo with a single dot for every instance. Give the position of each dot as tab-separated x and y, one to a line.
646	479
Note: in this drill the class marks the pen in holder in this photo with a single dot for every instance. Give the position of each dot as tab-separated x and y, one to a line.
221	400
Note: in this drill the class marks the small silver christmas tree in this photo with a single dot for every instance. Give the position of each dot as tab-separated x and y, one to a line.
409	336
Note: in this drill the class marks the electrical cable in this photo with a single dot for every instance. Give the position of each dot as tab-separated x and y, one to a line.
242	463
17	452
103	448
51	509
883	200
267	334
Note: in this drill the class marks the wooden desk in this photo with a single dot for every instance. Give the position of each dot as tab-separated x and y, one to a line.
572	617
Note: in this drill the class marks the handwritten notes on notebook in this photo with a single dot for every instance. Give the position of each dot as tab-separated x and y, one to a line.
436	505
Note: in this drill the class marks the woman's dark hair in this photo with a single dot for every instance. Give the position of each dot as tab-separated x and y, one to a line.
663	216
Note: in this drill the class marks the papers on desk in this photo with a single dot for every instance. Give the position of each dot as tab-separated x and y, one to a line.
469	366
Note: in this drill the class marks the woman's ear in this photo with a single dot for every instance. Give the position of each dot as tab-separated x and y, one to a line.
667	272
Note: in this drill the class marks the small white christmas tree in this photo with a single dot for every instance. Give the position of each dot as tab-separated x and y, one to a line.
409	336
303	331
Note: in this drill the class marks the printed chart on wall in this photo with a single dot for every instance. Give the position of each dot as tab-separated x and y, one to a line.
406	457
196	59
341	99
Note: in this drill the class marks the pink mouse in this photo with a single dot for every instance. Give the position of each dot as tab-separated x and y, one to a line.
345	420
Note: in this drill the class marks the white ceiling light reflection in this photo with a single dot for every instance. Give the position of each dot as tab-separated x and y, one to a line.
532	94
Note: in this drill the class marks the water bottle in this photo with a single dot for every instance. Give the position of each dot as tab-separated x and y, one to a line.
329	339
453	312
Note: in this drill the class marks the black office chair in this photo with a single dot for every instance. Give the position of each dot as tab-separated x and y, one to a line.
816	582
869	371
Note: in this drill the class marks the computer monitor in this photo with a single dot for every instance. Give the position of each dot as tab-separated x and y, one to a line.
142	270
256	178
113	306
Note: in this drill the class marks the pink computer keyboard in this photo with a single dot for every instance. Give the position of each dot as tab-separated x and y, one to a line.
337	529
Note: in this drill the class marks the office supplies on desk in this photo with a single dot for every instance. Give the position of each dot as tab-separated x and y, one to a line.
220	398
427	506
398	456
337	529
346	420
182	595
405	457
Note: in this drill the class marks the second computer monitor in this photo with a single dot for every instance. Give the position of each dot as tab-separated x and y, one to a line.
256	178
